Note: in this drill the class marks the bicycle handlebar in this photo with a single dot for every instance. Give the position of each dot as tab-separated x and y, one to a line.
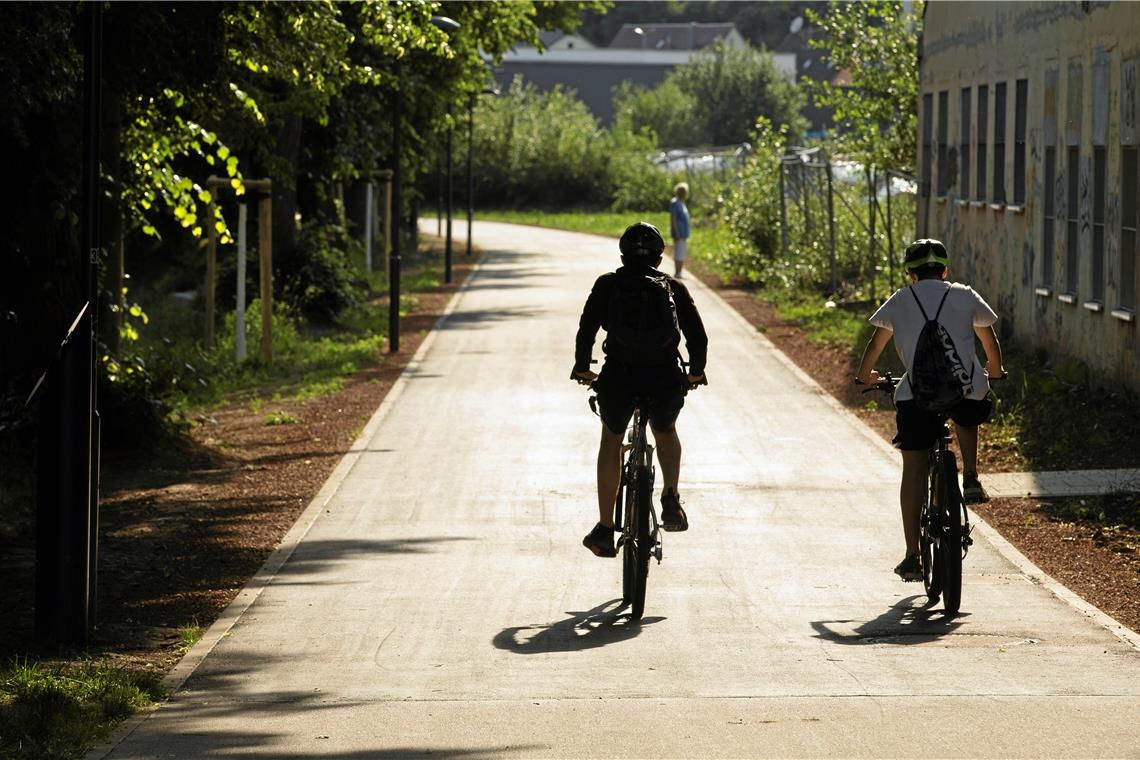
887	385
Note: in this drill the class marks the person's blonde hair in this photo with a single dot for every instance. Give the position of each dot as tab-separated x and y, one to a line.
681	186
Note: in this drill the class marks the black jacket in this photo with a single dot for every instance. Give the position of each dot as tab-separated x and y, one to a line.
595	312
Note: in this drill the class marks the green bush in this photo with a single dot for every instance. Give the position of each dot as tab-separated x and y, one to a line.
319	281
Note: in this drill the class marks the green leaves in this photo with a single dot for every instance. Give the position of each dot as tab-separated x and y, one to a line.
156	139
876	43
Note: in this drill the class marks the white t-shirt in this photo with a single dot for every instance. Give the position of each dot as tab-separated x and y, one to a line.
964	309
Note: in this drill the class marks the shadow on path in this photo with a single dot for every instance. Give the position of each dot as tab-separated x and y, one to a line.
608	623
909	621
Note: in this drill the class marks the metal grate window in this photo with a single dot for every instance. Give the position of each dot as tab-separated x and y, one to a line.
1072	239
1129	221
927	131
1048	236
1021	99
1099	180
943	142
999	143
964	144
983	125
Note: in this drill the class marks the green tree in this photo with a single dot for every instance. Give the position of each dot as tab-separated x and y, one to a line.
715	99
876	42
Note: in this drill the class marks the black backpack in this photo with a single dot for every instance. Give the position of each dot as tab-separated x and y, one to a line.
641	324
938	377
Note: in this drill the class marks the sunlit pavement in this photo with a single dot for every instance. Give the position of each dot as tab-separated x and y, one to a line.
441	603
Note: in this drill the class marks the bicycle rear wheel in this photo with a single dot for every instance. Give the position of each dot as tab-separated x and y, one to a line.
950	536
638	557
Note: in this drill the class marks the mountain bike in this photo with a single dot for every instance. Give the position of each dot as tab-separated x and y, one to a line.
944	523
640	538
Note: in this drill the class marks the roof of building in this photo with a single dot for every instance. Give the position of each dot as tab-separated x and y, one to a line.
686	36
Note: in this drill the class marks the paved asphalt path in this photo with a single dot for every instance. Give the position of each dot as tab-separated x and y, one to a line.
440	602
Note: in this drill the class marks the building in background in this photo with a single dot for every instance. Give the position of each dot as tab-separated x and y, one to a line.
594	72
811	65
690	36
1029	162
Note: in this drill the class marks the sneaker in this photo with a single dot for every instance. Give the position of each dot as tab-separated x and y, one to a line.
910	569
673	517
972	491
600	541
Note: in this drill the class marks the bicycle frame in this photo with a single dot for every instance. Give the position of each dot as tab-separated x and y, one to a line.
640	534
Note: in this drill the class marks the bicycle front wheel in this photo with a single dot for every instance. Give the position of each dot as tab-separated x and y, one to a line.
928	526
950	535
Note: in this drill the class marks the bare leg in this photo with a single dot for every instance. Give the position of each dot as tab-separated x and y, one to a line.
609	475
968	443
669	455
912	494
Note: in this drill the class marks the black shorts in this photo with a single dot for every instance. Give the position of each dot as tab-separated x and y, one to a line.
660	388
917	428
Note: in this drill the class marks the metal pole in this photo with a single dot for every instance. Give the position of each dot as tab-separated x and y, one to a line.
211	272
470	177
368	227
394	256
265	248
438	197
450	200
67	489
831	221
239	312
783	212
871	203
890	235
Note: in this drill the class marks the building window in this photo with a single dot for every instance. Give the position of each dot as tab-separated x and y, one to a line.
1129	221
1099	180
964	145
983	124
1048	234
1072	240
1021	98
927	130
999	143
943	142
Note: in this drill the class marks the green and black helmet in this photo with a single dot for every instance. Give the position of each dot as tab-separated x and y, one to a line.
925	252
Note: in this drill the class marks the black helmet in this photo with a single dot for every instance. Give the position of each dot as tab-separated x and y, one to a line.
642	240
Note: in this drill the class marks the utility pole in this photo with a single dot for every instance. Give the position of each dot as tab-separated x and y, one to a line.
67	492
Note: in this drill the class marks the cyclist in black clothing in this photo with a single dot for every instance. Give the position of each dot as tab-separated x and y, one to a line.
629	373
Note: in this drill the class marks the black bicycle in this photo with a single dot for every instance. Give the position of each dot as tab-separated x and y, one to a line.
944	522
640	537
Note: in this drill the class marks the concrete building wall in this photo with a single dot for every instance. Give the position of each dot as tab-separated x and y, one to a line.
1057	259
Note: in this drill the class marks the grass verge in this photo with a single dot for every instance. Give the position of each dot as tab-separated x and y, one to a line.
62	710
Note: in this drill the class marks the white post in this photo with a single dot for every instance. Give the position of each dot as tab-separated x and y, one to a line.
239	316
368	227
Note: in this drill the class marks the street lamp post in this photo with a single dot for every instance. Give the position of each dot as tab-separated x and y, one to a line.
470	177
397	215
450	199
447	25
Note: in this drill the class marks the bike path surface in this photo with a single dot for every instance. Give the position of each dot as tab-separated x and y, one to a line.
440	602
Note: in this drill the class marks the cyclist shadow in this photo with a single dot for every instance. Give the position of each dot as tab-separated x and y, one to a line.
903	623
608	623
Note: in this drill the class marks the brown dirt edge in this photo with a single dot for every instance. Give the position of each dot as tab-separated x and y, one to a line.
184	528
1102	567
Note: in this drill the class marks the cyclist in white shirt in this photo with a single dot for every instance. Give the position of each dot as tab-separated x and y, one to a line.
964	315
